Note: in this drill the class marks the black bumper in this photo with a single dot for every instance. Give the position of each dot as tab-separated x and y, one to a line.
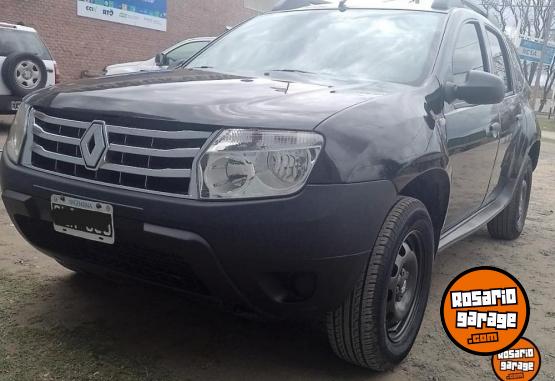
6	104
285	257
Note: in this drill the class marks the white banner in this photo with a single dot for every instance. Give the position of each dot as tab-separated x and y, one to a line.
100	12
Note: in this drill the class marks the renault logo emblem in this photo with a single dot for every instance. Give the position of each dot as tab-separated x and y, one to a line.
93	144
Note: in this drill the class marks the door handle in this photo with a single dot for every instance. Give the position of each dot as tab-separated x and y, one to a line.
493	130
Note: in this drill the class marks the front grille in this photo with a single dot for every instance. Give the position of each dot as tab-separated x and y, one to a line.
146	159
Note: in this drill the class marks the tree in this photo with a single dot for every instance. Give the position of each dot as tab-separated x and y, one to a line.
548	85
530	17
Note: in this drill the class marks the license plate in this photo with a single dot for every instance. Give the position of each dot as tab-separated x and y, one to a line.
15	105
82	218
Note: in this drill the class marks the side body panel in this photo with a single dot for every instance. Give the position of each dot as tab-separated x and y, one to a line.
396	138
3	89
471	140
392	137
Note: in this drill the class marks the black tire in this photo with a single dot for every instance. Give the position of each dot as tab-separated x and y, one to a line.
359	331
510	223
15	78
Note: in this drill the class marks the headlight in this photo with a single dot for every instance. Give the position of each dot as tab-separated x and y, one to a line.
255	163
17	133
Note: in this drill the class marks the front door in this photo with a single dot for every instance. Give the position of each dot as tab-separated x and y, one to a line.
510	110
472	131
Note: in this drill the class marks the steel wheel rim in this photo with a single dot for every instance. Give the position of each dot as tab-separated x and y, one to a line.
522	203
27	75
404	286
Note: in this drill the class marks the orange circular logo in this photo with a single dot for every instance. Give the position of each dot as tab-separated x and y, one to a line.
521	362
485	311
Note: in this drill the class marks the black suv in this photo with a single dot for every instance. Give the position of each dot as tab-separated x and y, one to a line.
308	163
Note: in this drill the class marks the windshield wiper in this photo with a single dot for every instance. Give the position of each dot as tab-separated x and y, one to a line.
293	71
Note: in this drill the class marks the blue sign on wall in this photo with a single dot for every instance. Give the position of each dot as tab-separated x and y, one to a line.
156	8
150	14
531	50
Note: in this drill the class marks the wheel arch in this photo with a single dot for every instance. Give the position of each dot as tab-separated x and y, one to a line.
534	153
432	188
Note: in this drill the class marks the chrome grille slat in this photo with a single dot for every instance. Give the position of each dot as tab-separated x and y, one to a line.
185	134
38	131
150	160
170	173
56	156
62	122
176	152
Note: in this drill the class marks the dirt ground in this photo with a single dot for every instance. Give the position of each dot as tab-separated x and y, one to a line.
55	325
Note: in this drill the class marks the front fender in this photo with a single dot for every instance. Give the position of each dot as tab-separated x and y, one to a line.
388	138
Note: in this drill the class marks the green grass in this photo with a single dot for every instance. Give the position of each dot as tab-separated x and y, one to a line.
546	124
36	352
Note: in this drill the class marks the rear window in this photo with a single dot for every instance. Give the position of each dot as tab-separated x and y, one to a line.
16	41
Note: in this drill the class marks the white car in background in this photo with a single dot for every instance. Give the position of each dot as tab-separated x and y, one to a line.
26	65
179	52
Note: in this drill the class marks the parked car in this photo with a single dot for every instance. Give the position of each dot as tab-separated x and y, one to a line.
284	5
312	171
179	52
26	65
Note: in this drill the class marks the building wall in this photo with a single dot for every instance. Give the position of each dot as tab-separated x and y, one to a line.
79	43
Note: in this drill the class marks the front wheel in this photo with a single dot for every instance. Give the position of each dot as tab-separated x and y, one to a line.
378	322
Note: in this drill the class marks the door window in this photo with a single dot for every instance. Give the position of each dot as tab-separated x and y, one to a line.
499	59
468	53
16	41
519	80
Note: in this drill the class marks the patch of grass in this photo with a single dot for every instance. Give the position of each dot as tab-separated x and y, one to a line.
58	353
546	124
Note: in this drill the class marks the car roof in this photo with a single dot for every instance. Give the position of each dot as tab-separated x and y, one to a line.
5	25
422	5
469	7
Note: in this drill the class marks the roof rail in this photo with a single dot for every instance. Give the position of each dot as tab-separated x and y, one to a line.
449	4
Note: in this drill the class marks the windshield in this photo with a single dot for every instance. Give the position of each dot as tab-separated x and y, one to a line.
16	41
355	45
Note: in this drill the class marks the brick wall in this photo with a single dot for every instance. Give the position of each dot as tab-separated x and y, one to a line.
79	43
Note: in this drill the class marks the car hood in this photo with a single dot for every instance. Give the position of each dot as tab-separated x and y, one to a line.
149	62
209	98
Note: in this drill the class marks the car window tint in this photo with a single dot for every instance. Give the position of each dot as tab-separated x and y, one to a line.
16	41
468	53
499	59
186	51
519	79
328	45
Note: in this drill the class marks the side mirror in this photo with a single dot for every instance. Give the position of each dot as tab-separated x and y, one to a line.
479	88
161	59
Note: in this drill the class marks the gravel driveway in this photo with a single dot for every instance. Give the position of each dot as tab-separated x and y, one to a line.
55	325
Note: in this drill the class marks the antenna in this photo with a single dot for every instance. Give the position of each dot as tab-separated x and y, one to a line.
343	5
